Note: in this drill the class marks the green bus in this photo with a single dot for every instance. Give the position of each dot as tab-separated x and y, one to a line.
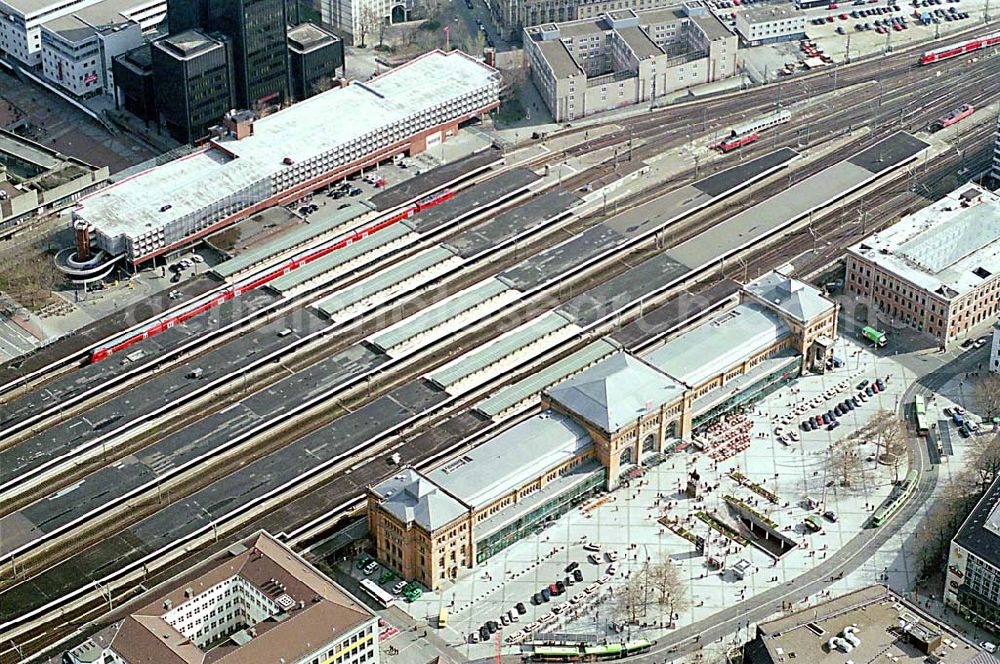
874	336
920	414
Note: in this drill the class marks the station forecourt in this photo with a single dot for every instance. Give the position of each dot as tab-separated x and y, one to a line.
596	427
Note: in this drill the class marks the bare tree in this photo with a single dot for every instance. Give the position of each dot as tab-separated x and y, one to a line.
984	461
668	587
368	21
322	84
891	436
635	597
944	518
987	392
846	464
28	278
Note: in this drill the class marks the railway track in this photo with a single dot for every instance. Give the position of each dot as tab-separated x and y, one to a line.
833	157
761	191
732	106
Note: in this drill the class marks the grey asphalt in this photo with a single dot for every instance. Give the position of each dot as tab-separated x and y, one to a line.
204	438
779	211
415	187
87	336
621	291
503	228
474	199
662	320
94	375
339	439
120	412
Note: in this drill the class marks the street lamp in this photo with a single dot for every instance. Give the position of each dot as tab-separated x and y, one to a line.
215	528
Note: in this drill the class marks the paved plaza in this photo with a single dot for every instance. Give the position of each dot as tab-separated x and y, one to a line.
627	521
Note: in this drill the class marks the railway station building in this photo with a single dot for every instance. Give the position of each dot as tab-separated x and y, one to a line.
596	426
936	271
250	164
256	602
623	57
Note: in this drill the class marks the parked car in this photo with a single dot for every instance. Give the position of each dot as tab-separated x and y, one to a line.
398	588
833	425
484	632
578	575
370	568
831	516
572	566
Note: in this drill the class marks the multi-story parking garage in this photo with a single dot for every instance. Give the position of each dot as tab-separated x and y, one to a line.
253	164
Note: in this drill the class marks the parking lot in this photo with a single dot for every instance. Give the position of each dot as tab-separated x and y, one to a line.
763	451
845	31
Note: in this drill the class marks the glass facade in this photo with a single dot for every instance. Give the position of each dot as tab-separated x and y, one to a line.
539	517
257	31
764	386
192	87
979	595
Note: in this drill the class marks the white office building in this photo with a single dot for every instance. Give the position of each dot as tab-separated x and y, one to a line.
77	49
256	602
360	19
21	22
768	24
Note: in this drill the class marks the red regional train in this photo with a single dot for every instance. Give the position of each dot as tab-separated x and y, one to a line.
204	303
961	48
741	135
952	117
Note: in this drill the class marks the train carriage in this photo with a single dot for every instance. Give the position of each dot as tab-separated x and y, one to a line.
961	48
749	132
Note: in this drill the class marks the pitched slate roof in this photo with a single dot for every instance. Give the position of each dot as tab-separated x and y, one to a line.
616	391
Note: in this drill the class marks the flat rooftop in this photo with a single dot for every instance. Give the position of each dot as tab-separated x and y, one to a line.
25	150
713	347
309	611
559	58
229	168
980	533
187	44
948	248
887	628
639	42
104	16
711	26
509	459
770	13
306	37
